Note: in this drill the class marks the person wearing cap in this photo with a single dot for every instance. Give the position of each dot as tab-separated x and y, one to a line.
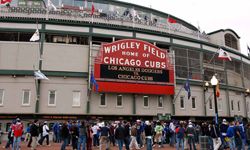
148	134
223	130
34	132
45	134
190	131
18	132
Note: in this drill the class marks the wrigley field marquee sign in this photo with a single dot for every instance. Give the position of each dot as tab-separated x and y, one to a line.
134	66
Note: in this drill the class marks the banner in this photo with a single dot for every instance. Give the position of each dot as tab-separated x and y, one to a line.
134	66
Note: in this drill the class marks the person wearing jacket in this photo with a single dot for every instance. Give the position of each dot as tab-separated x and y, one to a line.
158	133
231	135
180	131
64	135
190	134
133	138
223	129
120	135
215	134
248	136
18	132
34	132
148	134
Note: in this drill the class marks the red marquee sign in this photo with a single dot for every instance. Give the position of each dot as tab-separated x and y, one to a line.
134	66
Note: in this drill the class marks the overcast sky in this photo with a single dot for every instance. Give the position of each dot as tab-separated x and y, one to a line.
211	15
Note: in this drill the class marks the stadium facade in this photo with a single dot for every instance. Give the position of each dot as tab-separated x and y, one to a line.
141	74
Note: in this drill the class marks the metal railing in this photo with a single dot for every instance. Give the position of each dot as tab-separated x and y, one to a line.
100	18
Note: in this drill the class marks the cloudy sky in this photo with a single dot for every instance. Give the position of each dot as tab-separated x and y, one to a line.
211	15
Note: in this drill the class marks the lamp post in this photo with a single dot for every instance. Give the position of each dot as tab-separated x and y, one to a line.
214	82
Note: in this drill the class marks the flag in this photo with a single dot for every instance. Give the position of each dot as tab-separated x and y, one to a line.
171	20
248	48
92	9
187	88
93	81
224	55
51	5
5	2
35	36
217	90
40	76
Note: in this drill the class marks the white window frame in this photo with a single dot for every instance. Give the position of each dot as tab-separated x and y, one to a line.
220	103
144	101
232	105
50	91
119	95
183	100
26	90
78	104
160	98
238	105
2	98
105	100
193	98
210	101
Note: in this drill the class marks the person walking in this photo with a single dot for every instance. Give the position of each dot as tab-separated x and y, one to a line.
45	134
104	135
133	141
34	132
215	134
127	134
64	135
18	132
120	135
149	134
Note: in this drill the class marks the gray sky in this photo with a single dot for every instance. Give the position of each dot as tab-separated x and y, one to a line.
211	15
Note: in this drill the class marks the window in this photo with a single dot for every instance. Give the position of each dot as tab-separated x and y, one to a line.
193	102
238	105
231	41
145	101
52	98
182	105
103	99
247	106
210	103
160	101
76	98
26	97
232	105
219	104
1	96
119	100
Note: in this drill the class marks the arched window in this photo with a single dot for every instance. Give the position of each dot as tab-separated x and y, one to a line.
231	41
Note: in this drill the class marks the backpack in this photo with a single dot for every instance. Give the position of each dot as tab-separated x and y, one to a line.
180	133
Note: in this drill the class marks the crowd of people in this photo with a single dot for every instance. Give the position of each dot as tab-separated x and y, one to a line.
81	135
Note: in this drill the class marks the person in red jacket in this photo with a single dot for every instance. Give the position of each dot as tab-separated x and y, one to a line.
18	132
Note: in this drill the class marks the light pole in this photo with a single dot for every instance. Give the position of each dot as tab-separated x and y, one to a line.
214	82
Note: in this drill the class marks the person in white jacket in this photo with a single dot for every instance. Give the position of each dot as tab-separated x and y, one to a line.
45	134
